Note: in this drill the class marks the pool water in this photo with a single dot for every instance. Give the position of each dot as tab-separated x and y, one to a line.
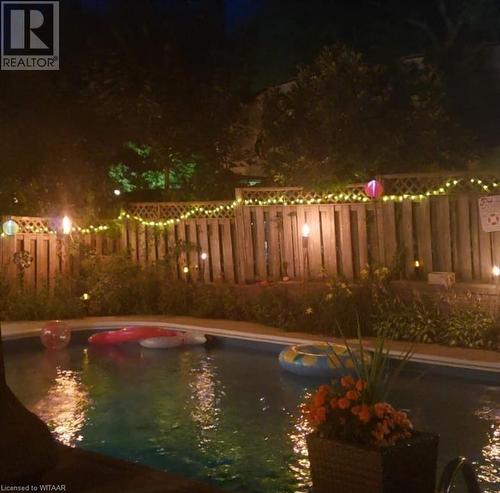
225	414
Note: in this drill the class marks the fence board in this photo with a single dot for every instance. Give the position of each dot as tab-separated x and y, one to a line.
203	242
288	243
260	244
424	235
464	258
301	257
329	239
273	245
389	227
362	236
345	241
442	233
315	256
227	250
474	224
214	241
407	237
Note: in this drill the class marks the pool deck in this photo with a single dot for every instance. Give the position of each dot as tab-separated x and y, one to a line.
472	359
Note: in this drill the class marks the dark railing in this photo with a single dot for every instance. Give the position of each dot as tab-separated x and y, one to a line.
450	473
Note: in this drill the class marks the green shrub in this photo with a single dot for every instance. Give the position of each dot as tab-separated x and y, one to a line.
417	320
466	323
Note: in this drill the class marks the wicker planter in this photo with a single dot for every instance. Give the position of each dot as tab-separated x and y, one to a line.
408	467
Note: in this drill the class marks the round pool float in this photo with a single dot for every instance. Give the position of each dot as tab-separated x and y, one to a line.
130	334
181	339
319	359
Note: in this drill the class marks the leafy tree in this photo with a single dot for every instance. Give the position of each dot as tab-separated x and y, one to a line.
169	91
346	118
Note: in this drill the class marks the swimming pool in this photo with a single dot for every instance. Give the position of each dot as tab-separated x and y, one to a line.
225	414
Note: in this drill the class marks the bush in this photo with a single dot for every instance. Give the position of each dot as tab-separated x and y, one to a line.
466	323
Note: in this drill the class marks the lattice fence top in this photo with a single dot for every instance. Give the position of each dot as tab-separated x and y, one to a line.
31	224
296	195
155	211
402	184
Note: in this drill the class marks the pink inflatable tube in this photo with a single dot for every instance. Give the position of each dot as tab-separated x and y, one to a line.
129	334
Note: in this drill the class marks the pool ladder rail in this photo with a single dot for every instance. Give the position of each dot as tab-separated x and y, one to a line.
450	473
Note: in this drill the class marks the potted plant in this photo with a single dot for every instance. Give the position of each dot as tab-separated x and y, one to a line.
360	443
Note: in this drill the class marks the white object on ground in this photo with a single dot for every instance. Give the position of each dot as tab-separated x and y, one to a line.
182	339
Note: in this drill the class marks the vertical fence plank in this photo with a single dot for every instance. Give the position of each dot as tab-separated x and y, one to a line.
362	236
214	241
260	244
181	244
301	220
474	224
288	243
442	233
141	244
315	256
227	250
464	258
407	237
389	231
203	242
329	239
273	244
172	254
346	241
193	249
424	236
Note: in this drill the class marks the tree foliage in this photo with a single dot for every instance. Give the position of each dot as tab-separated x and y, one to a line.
346	118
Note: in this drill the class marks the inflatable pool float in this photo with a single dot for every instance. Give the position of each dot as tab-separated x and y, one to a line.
319	359
130	334
181	339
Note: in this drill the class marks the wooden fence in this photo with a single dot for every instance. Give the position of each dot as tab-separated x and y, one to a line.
439	233
258	236
49	254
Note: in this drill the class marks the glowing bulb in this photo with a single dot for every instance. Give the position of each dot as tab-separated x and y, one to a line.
66	225
496	270
85	296
306	230
204	256
117	192
10	227
417	263
185	270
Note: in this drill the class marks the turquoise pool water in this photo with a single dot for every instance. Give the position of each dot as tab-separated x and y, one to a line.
224	414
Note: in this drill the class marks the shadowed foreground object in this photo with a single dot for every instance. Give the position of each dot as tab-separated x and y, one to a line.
26	446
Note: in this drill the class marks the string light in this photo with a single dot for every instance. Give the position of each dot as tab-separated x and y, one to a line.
327	198
203	211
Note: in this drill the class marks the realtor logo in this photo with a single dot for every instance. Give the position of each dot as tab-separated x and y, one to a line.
30	35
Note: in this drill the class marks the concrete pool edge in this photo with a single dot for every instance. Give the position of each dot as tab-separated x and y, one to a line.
18	330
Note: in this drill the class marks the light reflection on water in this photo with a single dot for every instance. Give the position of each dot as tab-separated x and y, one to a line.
64	406
489	469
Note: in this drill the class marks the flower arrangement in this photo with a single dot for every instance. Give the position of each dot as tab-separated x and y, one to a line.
342	411
355	409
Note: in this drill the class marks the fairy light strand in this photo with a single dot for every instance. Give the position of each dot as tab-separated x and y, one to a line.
327	198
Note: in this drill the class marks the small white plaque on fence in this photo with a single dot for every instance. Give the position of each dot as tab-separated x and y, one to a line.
489	211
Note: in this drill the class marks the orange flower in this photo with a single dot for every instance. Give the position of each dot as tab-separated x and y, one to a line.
347	381
319	399
352	395
344	403
364	414
334	403
320	415
381	408
324	388
355	410
360	385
